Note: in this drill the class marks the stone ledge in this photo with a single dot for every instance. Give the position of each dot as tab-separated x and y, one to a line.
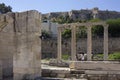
90	72
95	65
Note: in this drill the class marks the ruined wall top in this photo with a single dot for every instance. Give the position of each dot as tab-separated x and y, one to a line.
19	21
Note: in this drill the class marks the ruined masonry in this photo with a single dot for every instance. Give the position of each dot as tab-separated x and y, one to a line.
20	46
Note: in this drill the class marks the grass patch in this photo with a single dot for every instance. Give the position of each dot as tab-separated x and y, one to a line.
98	56
114	56
65	56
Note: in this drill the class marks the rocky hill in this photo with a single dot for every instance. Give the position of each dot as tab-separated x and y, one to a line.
83	14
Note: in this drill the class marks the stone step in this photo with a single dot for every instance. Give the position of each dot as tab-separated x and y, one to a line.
63	73
95	65
72	71
48	78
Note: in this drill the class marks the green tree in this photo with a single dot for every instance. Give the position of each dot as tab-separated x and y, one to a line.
81	33
46	34
114	27
97	30
66	34
4	8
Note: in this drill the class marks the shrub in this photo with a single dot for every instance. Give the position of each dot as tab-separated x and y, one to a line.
46	34
66	34
65	56
114	56
98	56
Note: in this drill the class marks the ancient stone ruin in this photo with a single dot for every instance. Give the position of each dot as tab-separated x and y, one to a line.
20	46
20	51
73	27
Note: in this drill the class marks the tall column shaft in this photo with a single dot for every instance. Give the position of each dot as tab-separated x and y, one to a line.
73	43
89	43
106	42
59	39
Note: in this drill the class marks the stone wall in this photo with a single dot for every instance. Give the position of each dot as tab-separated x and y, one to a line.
27	57
20	45
49	47
7	43
1	73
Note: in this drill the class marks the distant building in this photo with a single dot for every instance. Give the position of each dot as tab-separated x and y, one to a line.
50	27
95	12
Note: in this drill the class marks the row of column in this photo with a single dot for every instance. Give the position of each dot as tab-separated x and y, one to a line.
89	43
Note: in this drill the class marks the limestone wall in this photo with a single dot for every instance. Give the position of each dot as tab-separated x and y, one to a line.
20	45
1	73
27	57
7	43
49	47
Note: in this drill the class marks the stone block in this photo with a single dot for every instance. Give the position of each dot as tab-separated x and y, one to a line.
61	75
95	65
77	71
53	75
102	75
60	71
59	63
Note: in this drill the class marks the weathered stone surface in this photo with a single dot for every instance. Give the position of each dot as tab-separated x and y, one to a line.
1	74
61	75
60	63
20	46
102	75
95	65
7	47
27	57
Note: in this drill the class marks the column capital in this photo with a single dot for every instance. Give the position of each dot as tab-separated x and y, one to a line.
106	25
73	26
59	28
89	26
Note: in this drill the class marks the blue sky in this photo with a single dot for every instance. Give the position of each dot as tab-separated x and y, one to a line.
46	6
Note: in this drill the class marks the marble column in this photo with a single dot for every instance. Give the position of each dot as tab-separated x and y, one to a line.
105	42
89	43
73	43
59	41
